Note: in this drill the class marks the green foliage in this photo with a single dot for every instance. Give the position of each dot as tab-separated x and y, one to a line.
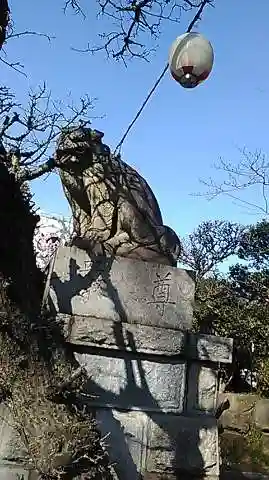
262	367
234	304
254	245
237	306
245	449
255	445
210	244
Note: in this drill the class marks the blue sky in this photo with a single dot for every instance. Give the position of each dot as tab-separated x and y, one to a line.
181	132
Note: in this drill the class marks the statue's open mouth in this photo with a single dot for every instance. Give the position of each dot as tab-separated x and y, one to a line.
72	150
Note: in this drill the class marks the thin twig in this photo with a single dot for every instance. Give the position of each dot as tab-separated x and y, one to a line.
29	32
15	66
132	20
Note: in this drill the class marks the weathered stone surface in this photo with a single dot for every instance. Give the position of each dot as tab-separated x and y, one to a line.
97	332
131	383
261	414
159	443
211	348
202	389
237	475
240	414
16	472
126	440
185	443
121	289
244	440
11	446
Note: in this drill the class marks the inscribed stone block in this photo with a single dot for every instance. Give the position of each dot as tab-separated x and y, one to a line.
121	289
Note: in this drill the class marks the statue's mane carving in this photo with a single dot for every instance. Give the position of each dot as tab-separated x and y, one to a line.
114	209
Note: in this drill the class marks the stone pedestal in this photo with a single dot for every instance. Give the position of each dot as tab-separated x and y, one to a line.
152	384
121	290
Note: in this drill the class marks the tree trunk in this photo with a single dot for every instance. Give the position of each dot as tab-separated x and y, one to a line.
4	19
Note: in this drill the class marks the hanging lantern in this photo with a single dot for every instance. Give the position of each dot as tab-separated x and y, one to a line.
191	59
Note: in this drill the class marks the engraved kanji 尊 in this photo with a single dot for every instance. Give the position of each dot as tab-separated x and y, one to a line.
161	292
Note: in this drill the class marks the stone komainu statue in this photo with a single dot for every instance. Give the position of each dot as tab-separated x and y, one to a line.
113	207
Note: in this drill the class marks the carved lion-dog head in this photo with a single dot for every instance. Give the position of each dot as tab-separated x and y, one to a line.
77	146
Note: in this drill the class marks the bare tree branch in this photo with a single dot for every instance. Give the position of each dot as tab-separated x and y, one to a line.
17	66
26	174
7	100
251	172
75	5
7	32
28	133
135	21
28	33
